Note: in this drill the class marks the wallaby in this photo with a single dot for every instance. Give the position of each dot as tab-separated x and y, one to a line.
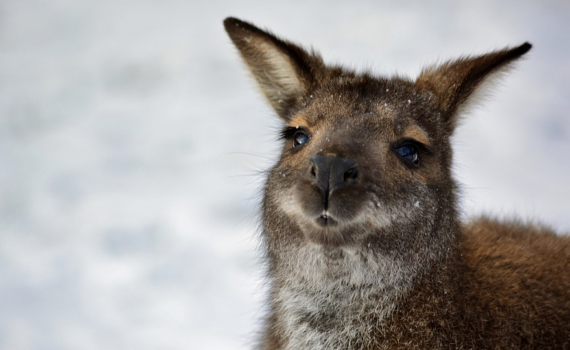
363	240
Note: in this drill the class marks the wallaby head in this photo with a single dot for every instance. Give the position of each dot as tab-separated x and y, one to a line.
366	160
360	217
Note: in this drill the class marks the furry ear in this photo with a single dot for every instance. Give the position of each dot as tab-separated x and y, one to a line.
285	72
455	81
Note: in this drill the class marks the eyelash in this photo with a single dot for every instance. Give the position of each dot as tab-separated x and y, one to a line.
289	132
298	134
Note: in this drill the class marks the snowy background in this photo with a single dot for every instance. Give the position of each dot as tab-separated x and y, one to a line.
132	140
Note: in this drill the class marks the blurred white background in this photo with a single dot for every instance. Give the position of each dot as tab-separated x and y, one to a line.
132	142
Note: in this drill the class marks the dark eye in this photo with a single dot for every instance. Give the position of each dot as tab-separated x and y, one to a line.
300	138
409	153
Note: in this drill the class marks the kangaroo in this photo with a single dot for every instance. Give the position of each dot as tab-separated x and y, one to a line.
360	223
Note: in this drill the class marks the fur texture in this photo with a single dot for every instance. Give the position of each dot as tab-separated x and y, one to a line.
360	224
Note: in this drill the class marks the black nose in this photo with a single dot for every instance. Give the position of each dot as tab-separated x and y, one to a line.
329	173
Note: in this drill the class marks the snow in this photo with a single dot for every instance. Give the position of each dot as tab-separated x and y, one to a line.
133	145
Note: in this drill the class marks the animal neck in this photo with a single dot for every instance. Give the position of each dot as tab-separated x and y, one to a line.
331	298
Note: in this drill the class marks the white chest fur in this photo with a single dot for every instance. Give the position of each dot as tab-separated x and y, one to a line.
332	300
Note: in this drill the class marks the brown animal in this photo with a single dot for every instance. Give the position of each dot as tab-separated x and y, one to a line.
364	244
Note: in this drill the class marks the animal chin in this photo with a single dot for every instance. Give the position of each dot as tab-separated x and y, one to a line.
332	223
327	230
328	236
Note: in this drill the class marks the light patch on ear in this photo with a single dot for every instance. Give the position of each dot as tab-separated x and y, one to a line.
483	92
279	80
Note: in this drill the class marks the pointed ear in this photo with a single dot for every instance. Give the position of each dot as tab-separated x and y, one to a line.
454	82
285	72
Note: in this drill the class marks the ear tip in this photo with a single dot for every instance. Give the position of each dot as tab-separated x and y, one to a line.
229	21
233	25
524	48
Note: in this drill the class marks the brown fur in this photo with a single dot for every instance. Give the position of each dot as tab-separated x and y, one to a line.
363	242
507	288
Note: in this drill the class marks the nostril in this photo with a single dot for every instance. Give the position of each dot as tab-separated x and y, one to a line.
330	172
351	175
313	171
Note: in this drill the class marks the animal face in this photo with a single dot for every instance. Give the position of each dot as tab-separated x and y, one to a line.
365	160
360	155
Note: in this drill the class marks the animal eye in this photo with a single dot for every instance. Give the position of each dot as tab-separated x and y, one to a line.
409	153
300	138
